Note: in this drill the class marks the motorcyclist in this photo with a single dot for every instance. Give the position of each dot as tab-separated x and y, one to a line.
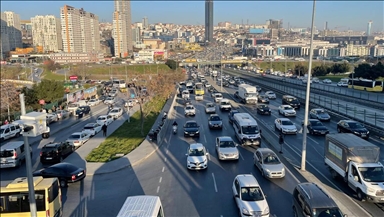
174	123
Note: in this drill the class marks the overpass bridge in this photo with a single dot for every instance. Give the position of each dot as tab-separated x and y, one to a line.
214	62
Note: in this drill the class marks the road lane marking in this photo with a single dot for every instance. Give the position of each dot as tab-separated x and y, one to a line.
241	156
165	159
312	140
158	189
205	139
166	151
161	178
163	169
214	182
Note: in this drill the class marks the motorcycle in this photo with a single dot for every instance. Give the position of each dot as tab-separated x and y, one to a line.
174	129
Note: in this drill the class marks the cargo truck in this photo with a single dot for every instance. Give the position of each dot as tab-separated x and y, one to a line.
357	162
247	94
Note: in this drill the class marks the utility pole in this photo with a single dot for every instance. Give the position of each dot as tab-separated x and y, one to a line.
221	73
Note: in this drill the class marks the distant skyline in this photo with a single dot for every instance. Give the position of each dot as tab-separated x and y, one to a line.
345	15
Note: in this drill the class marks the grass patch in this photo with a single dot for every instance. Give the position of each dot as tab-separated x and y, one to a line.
52	76
280	65
333	78
11	72
128	136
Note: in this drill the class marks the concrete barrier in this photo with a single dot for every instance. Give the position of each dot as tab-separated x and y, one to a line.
165	129
17	81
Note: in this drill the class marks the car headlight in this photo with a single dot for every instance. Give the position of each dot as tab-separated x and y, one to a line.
371	190
269	110
245	211
267	171
197	131
356	132
266	211
189	162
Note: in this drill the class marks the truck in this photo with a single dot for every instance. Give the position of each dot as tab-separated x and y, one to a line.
214	73
247	94
357	162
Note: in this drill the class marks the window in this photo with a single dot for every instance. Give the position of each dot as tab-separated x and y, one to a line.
237	186
53	191
16	202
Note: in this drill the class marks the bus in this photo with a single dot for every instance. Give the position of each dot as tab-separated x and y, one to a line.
199	88
142	206
367	85
118	83
14	200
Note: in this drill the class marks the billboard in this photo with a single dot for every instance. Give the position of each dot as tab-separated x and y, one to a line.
156	53
81	94
258	31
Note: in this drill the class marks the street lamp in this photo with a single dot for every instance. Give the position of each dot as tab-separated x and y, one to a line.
221	73
304	150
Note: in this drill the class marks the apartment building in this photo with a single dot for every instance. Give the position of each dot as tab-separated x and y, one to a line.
77	57
26	33
4	39
46	32
79	30
122	29
13	29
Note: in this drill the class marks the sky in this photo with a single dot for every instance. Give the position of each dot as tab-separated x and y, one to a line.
343	15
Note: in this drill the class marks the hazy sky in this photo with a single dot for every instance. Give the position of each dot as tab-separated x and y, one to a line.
342	14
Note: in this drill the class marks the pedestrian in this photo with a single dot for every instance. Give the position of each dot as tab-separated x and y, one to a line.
6	122
281	142
104	128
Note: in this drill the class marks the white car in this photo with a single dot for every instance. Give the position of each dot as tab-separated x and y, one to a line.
113	93
116	112
327	81
109	100
197	157
207	85
108	119
52	117
342	84
249	197
94	102
285	126
270	94
287	110
210	108
218	97
92	129
78	139
190	110
226	148
61	114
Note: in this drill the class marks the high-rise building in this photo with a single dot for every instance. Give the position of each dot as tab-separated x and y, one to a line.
13	29
209	20
4	39
145	23
136	36
26	33
369	28
79	30
122	29
46	32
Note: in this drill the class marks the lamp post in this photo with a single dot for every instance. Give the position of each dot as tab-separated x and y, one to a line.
304	149
221	73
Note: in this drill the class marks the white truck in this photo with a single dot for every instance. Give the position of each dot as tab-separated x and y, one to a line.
357	162
247	94
214	73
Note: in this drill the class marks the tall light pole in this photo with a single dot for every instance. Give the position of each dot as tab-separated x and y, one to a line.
221	73
304	150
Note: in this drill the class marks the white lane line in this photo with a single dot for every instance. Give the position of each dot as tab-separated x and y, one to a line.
241	156
214	182
169	139
166	151
163	169
158	189
312	140
221	215
165	159
161	178
205	138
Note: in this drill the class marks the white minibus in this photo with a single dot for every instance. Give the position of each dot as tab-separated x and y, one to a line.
246	129
142	206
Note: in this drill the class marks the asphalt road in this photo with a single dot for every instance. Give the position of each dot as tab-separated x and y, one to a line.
35	76
62	71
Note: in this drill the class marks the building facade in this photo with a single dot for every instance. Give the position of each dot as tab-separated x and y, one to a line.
136	36
80	30
77	57
122	30
26	33
13	29
209	20
46	32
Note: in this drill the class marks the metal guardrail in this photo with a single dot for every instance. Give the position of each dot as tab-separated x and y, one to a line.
164	129
333	107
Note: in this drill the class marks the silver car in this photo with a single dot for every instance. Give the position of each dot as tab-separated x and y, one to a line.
226	148
268	163
210	108
78	139
215	122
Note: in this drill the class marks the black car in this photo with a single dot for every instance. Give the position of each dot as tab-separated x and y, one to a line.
65	172
230	115
83	110
191	128
315	127
291	100
55	152
350	126
262	99
263	110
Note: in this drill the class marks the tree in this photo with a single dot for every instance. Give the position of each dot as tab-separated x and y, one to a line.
30	97
363	71
81	72
320	70
300	69
49	90
9	98
172	64
51	65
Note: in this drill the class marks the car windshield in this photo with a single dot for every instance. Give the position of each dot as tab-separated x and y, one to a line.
190	125
227	144
92	100
210	105
115	110
263	106
2	131
333	212
218	95
271	159
88	128
372	174
75	136
6	153
250	95
353	125
286	123
251	194
288	108
250	129
101	118
189	107
196	152
215	118
320	112
316	123
225	103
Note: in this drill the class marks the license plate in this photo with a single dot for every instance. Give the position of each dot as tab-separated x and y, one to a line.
322	132
81	173
48	158
191	134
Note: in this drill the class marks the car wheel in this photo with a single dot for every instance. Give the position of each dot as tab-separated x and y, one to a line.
294	212
360	195
63	183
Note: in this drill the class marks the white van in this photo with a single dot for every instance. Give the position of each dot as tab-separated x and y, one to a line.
246	129
142	206
9	131
12	154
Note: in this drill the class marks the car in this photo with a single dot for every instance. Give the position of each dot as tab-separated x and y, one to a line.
104	119
64	172
55	152
285	126
225	105
263	109
262	99
213	93
210	108
327	81
215	122
77	139
92	129
116	113
315	127
189	110
319	114
83	110
218	97
258	88
52	117
61	114
291	100
350	126
207	85
197	157
268	163
109	100
185	94
199	97
342	84
94	102
249	197
230	115
287	110
191	129
113	93
226	148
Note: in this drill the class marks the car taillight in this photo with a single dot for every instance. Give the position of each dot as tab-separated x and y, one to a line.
47	213
14	154
76	142
73	177
41	153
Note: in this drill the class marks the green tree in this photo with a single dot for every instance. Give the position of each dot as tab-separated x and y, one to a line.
300	69
49	90
172	64
363	71
30	97
378	69
320	70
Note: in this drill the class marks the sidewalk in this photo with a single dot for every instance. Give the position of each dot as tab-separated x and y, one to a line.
143	151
